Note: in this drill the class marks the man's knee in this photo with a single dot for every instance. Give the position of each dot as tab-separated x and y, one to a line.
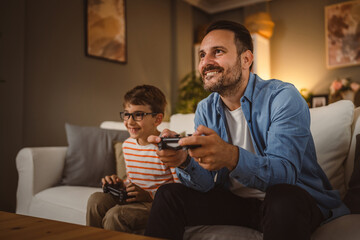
285	199
169	191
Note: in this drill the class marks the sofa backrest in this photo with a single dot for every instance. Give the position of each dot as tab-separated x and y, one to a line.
120	125
331	127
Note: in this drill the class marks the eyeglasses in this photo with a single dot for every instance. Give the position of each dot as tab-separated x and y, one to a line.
137	116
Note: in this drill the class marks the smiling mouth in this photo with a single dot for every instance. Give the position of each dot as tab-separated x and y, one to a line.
210	74
133	130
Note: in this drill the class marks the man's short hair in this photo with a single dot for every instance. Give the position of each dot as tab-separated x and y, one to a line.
242	39
146	95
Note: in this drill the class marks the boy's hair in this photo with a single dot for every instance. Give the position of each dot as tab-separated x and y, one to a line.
146	95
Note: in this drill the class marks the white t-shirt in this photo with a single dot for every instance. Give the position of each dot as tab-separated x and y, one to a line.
240	135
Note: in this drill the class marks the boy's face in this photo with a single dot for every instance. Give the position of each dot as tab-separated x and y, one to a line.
141	130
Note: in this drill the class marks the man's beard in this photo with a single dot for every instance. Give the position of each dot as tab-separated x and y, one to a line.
228	83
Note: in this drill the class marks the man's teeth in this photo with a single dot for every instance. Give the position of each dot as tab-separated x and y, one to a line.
211	73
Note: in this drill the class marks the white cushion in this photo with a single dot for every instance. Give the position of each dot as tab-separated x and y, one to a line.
344	228
121	126
63	203
216	232
182	123
331	130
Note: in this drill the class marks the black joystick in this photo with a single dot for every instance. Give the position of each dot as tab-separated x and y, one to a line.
173	143
117	191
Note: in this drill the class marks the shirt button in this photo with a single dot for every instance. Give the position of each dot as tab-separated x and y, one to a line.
243	100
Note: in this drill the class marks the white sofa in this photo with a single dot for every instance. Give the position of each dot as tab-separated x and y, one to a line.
334	128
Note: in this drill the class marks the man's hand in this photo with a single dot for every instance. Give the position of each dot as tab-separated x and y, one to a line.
214	152
170	158
113	179
137	194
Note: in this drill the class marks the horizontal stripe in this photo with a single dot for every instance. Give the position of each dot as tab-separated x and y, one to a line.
139	161
130	142
139	149
138	155
150	174
148	180
148	168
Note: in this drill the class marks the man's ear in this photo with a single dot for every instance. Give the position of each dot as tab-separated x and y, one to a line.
159	118
246	59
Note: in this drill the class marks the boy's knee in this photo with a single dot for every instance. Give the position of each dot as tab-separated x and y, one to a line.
96	198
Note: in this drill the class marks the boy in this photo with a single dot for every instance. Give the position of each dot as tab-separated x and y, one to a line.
143	111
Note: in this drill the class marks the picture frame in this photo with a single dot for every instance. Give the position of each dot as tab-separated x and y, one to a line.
319	101
341	34
106	30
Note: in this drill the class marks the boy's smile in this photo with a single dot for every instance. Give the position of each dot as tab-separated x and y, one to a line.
141	129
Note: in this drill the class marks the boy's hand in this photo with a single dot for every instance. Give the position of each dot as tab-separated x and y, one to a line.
170	158
113	179
137	194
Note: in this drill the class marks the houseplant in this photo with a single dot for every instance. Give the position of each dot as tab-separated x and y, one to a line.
191	92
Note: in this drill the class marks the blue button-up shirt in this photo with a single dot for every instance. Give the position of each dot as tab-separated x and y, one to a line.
279	121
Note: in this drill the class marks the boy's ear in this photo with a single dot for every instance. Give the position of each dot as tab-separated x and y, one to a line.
158	119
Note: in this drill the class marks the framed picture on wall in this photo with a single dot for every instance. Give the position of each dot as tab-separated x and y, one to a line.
319	101
342	34
106	29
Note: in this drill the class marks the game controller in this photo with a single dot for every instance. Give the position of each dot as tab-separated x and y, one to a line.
117	191
173	143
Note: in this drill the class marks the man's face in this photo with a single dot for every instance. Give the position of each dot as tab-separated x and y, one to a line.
220	65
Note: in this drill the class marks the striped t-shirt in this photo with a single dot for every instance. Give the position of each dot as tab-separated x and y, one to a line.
144	168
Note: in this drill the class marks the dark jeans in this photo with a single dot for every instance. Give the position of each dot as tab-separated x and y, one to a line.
287	212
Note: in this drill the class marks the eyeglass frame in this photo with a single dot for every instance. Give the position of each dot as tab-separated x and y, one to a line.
143	114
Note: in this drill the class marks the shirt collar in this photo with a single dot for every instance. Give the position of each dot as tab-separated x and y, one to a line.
248	94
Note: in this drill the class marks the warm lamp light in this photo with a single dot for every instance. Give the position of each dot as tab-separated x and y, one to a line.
260	23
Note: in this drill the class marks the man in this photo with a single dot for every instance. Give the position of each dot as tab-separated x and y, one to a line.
256	166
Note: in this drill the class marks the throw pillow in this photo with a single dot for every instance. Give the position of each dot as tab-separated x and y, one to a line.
331	130
352	198
90	154
120	161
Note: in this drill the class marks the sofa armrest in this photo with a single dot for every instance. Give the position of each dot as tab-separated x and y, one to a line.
38	169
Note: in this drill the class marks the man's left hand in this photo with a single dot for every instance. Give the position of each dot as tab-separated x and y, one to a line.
214	152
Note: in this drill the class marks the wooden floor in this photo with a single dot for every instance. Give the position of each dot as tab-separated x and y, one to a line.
15	226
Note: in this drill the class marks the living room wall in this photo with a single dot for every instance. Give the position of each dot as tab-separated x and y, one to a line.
298	45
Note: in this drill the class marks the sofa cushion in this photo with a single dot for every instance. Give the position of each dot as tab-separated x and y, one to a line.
344	228
62	203
120	161
90	155
182	123
221	232
331	130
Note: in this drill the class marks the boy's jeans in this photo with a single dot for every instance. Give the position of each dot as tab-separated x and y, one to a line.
103	211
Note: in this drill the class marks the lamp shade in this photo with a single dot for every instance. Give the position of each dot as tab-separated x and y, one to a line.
260	23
